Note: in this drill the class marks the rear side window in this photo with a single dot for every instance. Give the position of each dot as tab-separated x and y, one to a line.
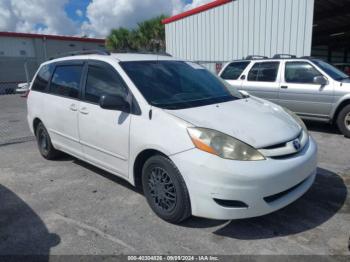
66	81
234	70
264	72
102	80
300	72
42	79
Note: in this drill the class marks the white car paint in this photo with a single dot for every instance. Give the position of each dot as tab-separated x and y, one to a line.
112	140
227	118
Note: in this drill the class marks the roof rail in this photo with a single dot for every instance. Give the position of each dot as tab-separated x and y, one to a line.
82	52
283	56
253	57
308	57
141	52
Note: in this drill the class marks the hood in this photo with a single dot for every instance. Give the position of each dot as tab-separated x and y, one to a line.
254	121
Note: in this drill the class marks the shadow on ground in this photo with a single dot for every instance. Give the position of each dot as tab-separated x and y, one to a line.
326	197
22	232
107	175
321	127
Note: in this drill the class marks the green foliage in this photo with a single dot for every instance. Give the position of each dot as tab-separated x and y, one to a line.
119	39
148	36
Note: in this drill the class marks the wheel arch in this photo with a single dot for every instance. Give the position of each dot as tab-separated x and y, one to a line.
140	160
36	122
341	105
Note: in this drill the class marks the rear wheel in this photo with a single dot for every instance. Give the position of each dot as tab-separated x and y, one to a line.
165	189
44	143
343	121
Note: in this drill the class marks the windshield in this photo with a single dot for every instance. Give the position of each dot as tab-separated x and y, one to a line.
332	71
177	84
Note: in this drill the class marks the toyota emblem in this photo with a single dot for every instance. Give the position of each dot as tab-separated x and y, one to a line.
296	144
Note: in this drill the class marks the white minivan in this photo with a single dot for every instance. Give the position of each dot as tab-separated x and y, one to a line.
195	145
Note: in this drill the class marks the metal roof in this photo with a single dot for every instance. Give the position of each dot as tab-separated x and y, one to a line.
196	10
53	37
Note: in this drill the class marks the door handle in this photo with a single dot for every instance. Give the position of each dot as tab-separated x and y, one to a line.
284	87
73	107
84	111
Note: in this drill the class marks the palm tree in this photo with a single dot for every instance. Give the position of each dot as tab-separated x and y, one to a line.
119	39
148	36
152	34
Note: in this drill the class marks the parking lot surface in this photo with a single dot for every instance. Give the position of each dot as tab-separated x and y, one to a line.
70	207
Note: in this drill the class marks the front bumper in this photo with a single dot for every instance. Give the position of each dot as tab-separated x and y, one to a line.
209	177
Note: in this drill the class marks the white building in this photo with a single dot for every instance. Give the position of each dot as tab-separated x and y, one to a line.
21	53
225	30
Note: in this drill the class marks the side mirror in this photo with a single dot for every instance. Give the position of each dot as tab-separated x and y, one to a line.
114	102
242	77
245	94
320	80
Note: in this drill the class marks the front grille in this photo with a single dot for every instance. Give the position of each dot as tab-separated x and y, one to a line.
283	144
286	149
276	146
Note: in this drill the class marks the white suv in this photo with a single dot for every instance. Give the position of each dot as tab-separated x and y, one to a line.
195	145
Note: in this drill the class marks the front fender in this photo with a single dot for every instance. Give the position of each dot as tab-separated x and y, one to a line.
338	103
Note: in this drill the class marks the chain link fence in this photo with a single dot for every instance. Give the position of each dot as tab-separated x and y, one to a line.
15	71
9	88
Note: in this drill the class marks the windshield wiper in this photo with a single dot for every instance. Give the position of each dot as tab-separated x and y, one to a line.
193	103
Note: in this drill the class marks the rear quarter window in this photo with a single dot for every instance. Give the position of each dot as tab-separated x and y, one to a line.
66	81
42	78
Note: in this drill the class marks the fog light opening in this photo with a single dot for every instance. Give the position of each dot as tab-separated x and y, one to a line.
231	203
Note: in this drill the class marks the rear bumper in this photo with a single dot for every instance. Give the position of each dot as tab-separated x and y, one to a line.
209	177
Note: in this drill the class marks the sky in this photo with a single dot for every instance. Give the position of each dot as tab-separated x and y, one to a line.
93	18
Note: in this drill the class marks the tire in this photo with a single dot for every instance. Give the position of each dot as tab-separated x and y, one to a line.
343	121
45	146
165	189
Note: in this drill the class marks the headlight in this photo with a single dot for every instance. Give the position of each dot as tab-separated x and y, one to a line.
222	145
297	119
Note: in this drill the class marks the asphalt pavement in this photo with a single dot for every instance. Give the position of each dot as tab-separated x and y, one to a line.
70	207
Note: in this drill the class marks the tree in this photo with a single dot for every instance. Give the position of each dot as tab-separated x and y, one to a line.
148	36
119	39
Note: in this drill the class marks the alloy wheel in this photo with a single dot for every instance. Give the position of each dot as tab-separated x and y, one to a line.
162	189
347	121
43	141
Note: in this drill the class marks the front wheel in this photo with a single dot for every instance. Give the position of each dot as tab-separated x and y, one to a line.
165	189
343	121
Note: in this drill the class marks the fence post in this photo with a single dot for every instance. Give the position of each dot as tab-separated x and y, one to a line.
26	71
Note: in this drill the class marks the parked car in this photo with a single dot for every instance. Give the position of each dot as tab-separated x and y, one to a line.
309	87
22	88
193	143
